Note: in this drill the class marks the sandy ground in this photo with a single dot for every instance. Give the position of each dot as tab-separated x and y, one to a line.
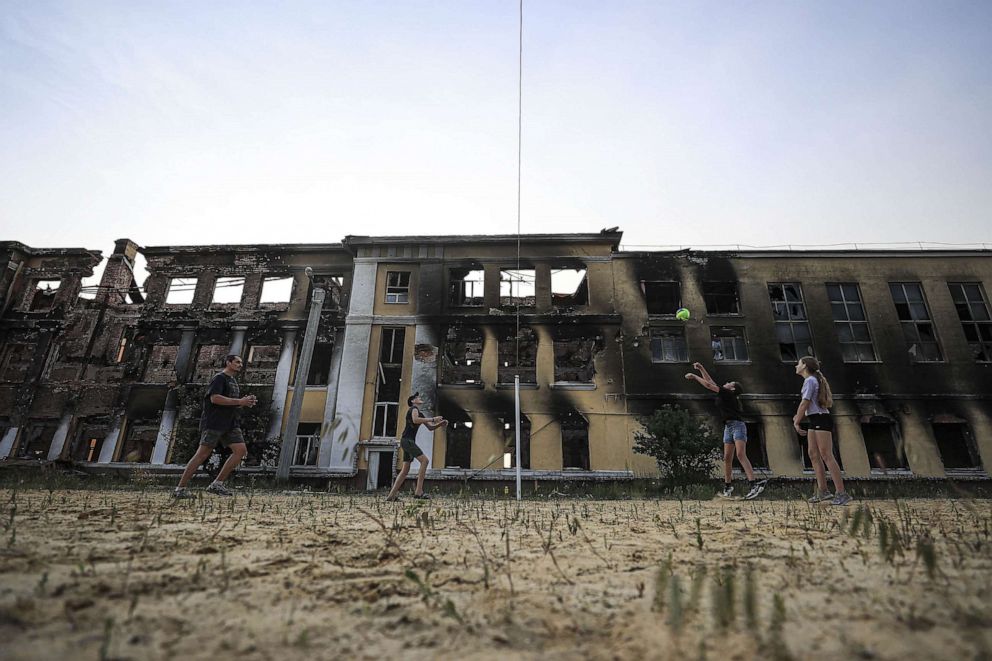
132	575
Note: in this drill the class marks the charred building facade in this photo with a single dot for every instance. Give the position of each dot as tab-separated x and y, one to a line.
114	375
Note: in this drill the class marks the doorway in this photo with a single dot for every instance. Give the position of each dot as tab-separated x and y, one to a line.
380	469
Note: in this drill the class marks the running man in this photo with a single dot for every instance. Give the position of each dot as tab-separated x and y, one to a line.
410	450
219	424
734	431
813	421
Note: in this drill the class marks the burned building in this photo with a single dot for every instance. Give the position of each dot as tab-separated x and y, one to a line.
114	374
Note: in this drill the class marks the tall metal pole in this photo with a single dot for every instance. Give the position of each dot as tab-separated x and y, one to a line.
516	399
300	386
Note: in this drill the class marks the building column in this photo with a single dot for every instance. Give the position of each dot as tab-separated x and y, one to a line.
850	442
58	440
7	442
280	385
331	403
238	340
110	442
350	397
170	412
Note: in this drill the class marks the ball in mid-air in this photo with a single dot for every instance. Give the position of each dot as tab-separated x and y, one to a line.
682	314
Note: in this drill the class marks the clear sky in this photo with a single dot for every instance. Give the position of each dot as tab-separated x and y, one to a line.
689	122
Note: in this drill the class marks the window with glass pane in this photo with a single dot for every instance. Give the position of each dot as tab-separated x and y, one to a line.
973	311
668	345
917	327
729	343
397	286
791	325
850	322
721	298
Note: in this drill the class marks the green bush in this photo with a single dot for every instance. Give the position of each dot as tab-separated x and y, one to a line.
685	448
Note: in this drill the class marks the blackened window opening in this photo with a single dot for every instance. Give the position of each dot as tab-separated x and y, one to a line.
662	298
914	317
575	441
884	453
956	446
461	360
721	298
510	440
850	322
509	365
791	322
973	311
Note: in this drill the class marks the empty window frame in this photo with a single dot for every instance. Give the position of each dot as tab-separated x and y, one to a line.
569	287
791	323
574	442
461	359
15	361
721	298
973	311
276	290
43	295
228	290
36	439
851	323
397	286
517	355
89	442
466	287
139	443
956	446
662	298
388	381
307	444
729	344
884	452
510	442
914	317
180	291
517	287
668	345
575	351
458	441
319	373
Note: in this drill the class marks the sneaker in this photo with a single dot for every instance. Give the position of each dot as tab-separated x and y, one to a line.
819	497
422	496
219	490
756	489
183	494
841	499
728	491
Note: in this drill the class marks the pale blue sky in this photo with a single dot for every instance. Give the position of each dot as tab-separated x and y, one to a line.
683	123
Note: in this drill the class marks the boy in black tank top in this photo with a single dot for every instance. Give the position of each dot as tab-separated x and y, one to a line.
408	443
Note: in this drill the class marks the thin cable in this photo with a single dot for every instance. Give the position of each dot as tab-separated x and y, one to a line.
520	115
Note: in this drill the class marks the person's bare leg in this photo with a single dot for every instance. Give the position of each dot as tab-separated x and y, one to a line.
728	463
238	452
421	472
825	444
814	458
202	453
744	461
399	480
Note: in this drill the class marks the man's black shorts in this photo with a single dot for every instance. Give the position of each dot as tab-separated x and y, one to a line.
819	422
410	449
211	437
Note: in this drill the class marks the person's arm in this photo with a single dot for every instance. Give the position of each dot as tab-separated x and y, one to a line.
798	417
215	392
221	400
709	385
706	375
430	423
